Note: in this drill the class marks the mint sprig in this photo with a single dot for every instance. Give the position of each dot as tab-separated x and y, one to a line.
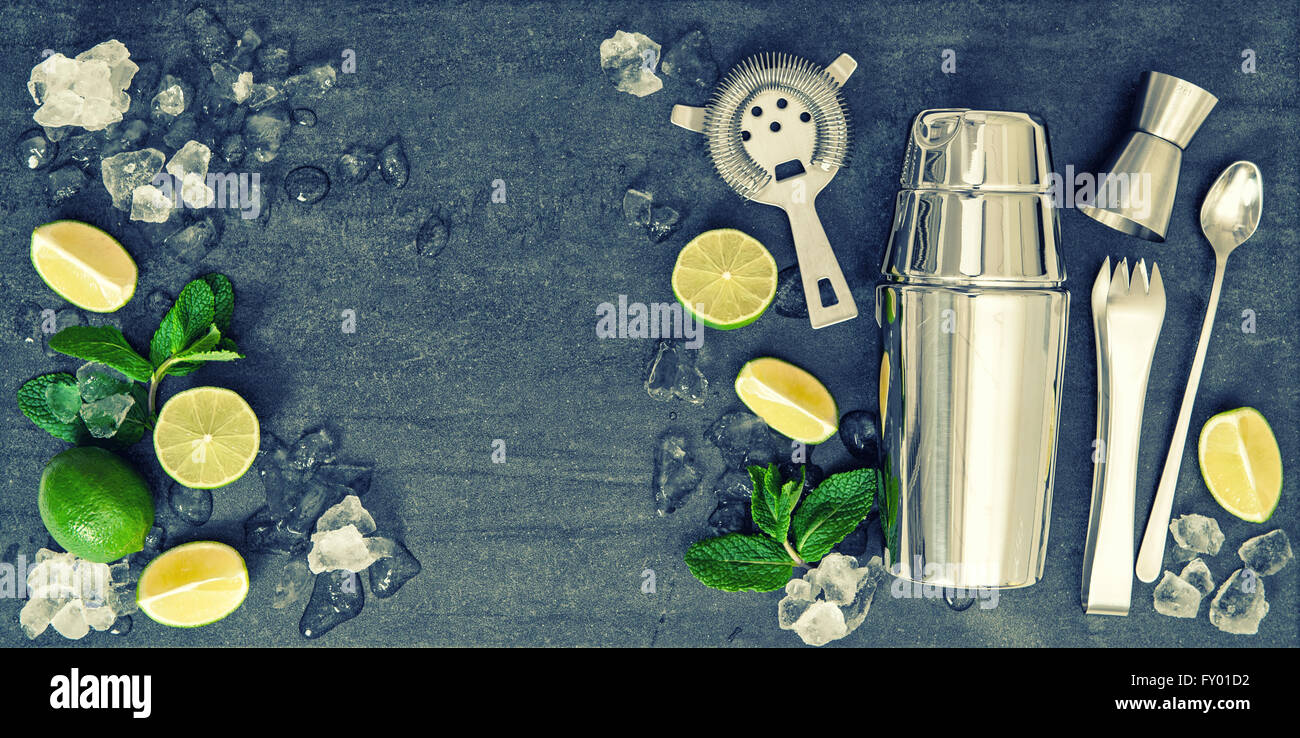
191	334
763	563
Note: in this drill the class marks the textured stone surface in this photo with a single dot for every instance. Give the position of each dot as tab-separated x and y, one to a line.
494	338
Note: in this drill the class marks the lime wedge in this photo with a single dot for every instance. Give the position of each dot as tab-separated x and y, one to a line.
194	584
789	399
84	265
1241	463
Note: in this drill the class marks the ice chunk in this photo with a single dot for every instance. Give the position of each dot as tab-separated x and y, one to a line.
355	477
99	618
189	165
192	243
264	94
821	623
676	474
169	102
314	82
209	37
70	620
636	207
231	83
800	589
673	372
1267	554
1197	533
126	171
104	417
664	221
347	512
264	132
294	584
744	440
62	108
730	517
355	164
313	448
36	615
35	150
336	598
389	573
836	578
88	91
55	73
343	548
262	532
1197	574
691	60
630	60
1240	605
96	381
151	205
1176	597
855	612
790	609
64	401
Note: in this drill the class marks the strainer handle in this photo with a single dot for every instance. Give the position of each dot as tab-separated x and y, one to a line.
817	262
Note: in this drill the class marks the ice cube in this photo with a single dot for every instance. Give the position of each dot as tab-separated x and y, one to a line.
1197	574
70	620
104	417
192	243
730	516
314	82
676	474
194	506
99	618
294	584
35	150
800	589
836	578
318	495
636	207
355	477
36	615
874	574
672	372
63	401
62	108
264	94
355	164
1197	533
313	448
629	61
264	533
1240	605
343	548
790	609
151	205
232	83
273	57
121	626
191	158
336	598
347	512
691	60
54	74
664	221
1267	554
96	381
389	573
744	440
208	36
264	132
169	102
126	171
1176	597
821	623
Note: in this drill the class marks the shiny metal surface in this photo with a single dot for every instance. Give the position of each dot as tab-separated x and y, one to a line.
973	322
969	430
1167	116
1229	215
965	237
1127	316
958	148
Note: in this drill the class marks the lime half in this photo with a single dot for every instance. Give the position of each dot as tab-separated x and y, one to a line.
725	278
206	437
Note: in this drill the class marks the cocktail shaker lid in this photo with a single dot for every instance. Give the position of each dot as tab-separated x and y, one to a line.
976	205
962	149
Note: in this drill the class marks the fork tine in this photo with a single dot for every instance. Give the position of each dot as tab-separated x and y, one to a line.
1157	289
1145	282
1119	281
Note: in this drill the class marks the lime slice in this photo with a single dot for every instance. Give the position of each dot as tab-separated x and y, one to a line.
789	399
194	584
84	265
725	278
206	437
1241	463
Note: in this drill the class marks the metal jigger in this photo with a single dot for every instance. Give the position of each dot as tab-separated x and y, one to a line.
1169	113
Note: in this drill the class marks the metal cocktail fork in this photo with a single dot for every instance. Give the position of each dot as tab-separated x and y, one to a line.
1134	311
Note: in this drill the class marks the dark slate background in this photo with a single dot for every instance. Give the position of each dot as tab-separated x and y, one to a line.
494	338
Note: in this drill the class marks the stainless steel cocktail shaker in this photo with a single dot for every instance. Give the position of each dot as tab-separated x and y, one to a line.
972	314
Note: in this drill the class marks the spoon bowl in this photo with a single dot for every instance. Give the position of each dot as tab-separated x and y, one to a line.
1230	212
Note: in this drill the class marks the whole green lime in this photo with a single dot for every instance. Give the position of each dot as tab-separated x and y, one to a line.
95	505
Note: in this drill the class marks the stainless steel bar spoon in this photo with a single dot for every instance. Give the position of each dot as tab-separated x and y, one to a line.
1229	216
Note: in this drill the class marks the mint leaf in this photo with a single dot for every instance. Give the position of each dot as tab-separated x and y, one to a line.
188	319
832	511
223	300
63	400
772	502
104	344
31	400
137	423
206	342
738	562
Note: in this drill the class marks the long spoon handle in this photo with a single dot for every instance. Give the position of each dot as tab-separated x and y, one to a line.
1151	555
